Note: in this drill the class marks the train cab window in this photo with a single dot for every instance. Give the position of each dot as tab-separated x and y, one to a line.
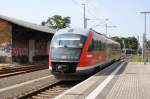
68	41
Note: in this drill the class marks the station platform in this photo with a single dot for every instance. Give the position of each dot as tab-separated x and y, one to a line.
121	80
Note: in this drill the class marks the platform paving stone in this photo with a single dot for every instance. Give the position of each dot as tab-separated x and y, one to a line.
133	82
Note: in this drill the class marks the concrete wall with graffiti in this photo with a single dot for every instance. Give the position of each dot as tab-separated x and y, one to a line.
14	44
5	41
19	50
23	49
41	47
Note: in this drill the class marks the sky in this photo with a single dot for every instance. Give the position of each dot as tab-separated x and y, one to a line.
124	14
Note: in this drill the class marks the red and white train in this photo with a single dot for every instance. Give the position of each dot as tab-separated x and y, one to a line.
76	53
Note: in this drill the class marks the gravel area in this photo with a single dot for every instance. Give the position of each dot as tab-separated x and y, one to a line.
9	66
2	66
8	81
19	90
20	85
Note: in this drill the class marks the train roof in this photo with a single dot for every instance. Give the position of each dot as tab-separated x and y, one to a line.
107	39
73	31
85	32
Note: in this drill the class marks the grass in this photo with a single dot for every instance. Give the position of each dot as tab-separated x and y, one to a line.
136	58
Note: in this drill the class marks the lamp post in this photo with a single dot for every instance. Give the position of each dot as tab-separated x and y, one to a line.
85	23
84	15
144	37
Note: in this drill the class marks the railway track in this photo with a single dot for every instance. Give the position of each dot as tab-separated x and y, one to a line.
41	88
6	72
52	91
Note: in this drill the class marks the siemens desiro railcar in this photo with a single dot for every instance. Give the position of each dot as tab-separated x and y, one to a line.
76	53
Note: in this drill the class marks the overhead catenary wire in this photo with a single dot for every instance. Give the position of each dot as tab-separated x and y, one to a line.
87	10
77	3
93	8
92	17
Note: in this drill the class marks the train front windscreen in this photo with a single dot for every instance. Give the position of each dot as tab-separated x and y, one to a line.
67	47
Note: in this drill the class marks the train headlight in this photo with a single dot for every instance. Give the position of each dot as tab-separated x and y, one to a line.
59	67
64	57
76	57
80	44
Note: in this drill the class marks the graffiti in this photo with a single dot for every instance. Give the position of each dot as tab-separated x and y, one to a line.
5	49
19	51
3	52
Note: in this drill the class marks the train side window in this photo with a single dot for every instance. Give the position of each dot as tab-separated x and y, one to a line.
100	45
103	45
91	46
96	45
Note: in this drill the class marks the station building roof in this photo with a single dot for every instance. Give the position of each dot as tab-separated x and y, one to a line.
27	24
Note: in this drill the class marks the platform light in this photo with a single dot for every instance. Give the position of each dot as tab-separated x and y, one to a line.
144	37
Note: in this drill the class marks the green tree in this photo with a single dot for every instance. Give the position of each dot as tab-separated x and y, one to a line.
57	22
133	42
129	42
148	44
119	40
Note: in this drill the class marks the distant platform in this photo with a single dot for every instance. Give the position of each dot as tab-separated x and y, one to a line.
119	81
